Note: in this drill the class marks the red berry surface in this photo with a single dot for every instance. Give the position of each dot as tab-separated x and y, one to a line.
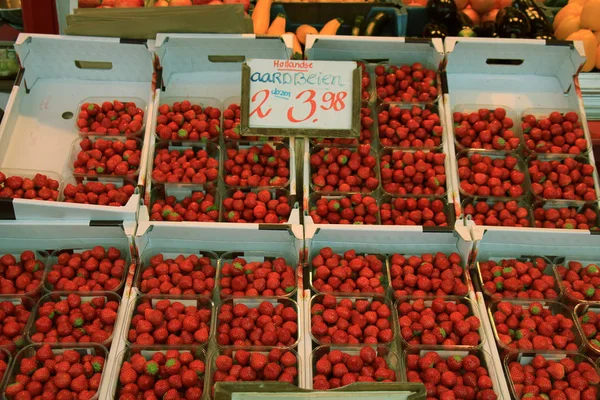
406	83
589	323
271	277
365	81
199	207
482	175
186	121
462	376
4	361
108	157
39	188
485	129
419	172
564	178
534	326
73	319
183	274
112	118
257	165
409	127
44	372
348	272
21	274
170	322
14	315
427	275
268	324
351	321
86	271
438	322
581	280
555	133
102	194
336	169
414	211
556	378
565	217
355	209
510	278
167	374
498	213
264	206
366	135
189	165
339	368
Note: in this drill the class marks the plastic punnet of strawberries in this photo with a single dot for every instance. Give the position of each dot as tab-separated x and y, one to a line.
581	280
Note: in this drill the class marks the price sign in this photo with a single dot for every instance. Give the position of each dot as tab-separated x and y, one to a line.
300	98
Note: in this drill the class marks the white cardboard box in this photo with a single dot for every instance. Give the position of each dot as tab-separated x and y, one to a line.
37	133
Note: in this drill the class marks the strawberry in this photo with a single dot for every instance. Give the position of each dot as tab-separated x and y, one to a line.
39	188
406	83
196	123
200	166
267	165
112	119
354	171
579	283
253	281
559	134
414	173
416	127
483	130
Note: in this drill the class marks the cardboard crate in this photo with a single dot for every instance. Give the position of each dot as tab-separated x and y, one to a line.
39	123
520	74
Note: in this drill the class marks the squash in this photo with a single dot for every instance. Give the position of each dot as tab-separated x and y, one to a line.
590	15
277	27
296	48
261	16
598	57
482	6
304	30
590	45
472	14
568	10
597	34
568	26
331	27
460	4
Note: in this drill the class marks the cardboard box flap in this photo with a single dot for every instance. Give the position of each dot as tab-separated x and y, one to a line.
189	53
429	52
73	58
468	56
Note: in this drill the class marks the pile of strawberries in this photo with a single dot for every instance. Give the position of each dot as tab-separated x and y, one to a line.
486	176
267	278
438	322
565	217
407	83
102	194
264	325
68	374
182	275
365	81
533	326
170	322
185	166
427	275
418	173
39	188
108	157
349	209
13	318
567	378
485	129
351	321
337	368
231	122
499	213
460	377
20	277
4	360
581	281
567	178
516	278
556	133
248	366
267	165
74	320
91	270
200	207
414	211
366	135
187	121
347	273
256	207
590	327
171	374
336	169
110	118
409	127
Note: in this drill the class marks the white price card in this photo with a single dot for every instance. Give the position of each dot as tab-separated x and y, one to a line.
300	98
